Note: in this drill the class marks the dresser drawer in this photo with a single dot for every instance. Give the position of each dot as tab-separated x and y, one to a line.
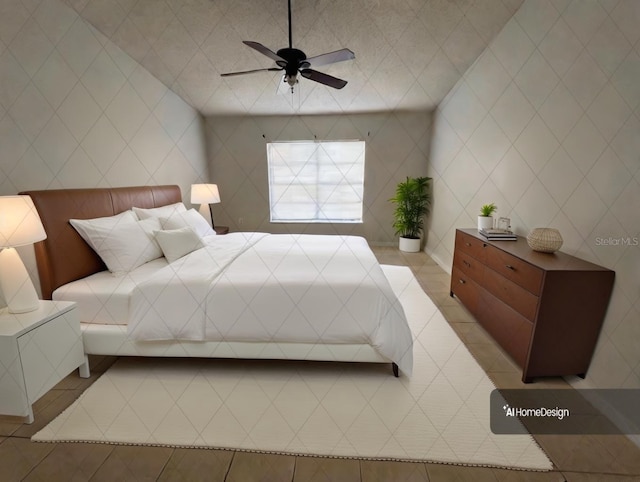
514	269
513	295
465	289
470	245
510	329
469	266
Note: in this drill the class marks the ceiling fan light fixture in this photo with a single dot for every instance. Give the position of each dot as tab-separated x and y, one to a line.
291	79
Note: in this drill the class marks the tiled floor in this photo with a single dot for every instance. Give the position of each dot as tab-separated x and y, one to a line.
576	458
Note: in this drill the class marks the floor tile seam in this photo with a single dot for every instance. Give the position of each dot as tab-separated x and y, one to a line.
226	475
166	463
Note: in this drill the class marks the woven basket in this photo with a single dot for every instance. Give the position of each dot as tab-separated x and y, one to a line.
545	240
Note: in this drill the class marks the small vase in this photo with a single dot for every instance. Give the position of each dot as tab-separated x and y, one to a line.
545	240
485	222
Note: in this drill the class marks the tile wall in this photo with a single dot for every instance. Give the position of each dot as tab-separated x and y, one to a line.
546	124
76	111
397	145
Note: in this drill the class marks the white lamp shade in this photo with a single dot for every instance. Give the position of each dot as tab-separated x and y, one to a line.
205	194
19	222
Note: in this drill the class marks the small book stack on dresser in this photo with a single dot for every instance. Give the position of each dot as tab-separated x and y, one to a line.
498	234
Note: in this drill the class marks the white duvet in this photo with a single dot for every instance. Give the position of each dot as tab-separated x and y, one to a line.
281	288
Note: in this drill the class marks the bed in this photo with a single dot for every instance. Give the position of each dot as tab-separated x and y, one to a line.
242	295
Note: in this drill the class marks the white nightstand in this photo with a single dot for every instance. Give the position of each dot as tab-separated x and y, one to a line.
37	350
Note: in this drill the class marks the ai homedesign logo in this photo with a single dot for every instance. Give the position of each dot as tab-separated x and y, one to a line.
520	412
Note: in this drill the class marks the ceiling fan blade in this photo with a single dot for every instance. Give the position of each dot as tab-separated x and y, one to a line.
332	57
262	49
323	78
270	69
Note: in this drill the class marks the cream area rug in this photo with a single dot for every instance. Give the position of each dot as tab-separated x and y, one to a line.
440	414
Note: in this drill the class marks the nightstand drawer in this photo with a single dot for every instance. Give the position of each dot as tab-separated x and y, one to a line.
37	350
50	352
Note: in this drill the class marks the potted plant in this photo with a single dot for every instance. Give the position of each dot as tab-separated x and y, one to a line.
485	219
413	202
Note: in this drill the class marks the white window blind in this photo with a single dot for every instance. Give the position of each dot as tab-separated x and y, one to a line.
316	181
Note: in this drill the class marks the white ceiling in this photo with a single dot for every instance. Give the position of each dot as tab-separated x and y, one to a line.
409	53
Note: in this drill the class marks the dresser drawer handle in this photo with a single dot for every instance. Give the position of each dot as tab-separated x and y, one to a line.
468	244
462	281
508	266
467	264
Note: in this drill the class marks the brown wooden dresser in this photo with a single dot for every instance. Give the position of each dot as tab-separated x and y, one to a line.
545	310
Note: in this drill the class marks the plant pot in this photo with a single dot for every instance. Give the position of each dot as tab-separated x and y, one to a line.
485	222
409	245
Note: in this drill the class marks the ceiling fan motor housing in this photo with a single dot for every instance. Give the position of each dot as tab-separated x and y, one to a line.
294	60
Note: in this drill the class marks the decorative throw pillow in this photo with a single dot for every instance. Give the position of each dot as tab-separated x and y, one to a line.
176	243
161	212
189	219
122	242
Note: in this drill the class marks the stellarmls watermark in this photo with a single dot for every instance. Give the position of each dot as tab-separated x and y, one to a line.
617	241
564	411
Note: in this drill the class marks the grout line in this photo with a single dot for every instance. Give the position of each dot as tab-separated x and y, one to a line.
293	474
230	464
164	466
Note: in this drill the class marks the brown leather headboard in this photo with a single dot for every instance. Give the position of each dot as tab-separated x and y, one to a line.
64	256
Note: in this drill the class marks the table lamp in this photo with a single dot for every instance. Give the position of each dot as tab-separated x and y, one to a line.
19	225
205	194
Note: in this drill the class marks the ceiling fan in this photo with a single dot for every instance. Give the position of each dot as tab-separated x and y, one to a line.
293	62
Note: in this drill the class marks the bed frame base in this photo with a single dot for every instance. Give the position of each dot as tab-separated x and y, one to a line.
112	340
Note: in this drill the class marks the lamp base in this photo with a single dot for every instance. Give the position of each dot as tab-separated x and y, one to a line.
16	285
204	209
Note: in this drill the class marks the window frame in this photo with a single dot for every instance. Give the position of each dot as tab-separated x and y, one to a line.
358	163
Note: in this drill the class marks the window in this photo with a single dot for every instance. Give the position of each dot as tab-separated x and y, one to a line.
316	181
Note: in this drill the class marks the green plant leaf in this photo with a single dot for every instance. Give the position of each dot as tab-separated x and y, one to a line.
488	209
413	202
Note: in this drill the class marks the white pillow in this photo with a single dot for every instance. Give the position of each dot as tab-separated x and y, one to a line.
176	243
161	212
122	242
188	219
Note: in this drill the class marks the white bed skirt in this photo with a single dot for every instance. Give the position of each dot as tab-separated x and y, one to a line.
113	340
